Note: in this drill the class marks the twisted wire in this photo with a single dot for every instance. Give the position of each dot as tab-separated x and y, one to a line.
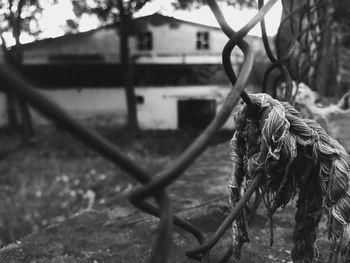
276	62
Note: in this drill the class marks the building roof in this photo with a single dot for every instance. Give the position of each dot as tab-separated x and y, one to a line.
155	18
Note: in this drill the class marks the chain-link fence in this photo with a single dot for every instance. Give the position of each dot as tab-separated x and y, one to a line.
155	186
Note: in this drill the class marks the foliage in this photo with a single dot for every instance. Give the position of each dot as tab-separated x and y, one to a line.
17	16
108	11
190	4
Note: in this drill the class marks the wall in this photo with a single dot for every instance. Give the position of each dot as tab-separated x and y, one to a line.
160	105
174	41
177	44
103	105
107	106
181	39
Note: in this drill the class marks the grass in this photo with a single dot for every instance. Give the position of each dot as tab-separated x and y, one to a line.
58	176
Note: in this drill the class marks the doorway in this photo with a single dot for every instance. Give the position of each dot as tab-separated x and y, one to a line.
195	113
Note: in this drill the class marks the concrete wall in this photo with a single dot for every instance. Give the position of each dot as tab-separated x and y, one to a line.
107	106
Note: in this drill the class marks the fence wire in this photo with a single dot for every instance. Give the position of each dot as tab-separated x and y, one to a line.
156	186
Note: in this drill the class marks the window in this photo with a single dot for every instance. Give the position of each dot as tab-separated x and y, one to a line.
195	113
140	99
145	41
202	40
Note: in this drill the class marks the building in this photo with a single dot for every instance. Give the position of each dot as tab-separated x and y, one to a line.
177	72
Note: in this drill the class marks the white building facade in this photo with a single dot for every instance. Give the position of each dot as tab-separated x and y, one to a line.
177	71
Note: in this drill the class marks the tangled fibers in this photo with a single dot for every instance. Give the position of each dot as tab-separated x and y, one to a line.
294	155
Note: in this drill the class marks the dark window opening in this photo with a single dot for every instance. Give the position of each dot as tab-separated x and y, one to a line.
195	113
76	58
110	75
140	99
202	40
145	41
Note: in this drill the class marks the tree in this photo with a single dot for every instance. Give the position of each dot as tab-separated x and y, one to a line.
18	16
190	4
121	12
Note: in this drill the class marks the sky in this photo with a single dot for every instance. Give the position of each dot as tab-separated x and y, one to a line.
236	18
54	18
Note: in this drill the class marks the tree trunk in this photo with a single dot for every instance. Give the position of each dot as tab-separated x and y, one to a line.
12	117
27	123
27	128
126	64
325	65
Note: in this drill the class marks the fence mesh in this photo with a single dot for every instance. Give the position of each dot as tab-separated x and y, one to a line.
308	24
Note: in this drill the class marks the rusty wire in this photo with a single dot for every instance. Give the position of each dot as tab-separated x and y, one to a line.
155	186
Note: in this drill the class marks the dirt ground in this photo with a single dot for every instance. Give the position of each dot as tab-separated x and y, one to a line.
79	203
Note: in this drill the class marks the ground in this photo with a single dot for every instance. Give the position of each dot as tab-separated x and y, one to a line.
64	203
